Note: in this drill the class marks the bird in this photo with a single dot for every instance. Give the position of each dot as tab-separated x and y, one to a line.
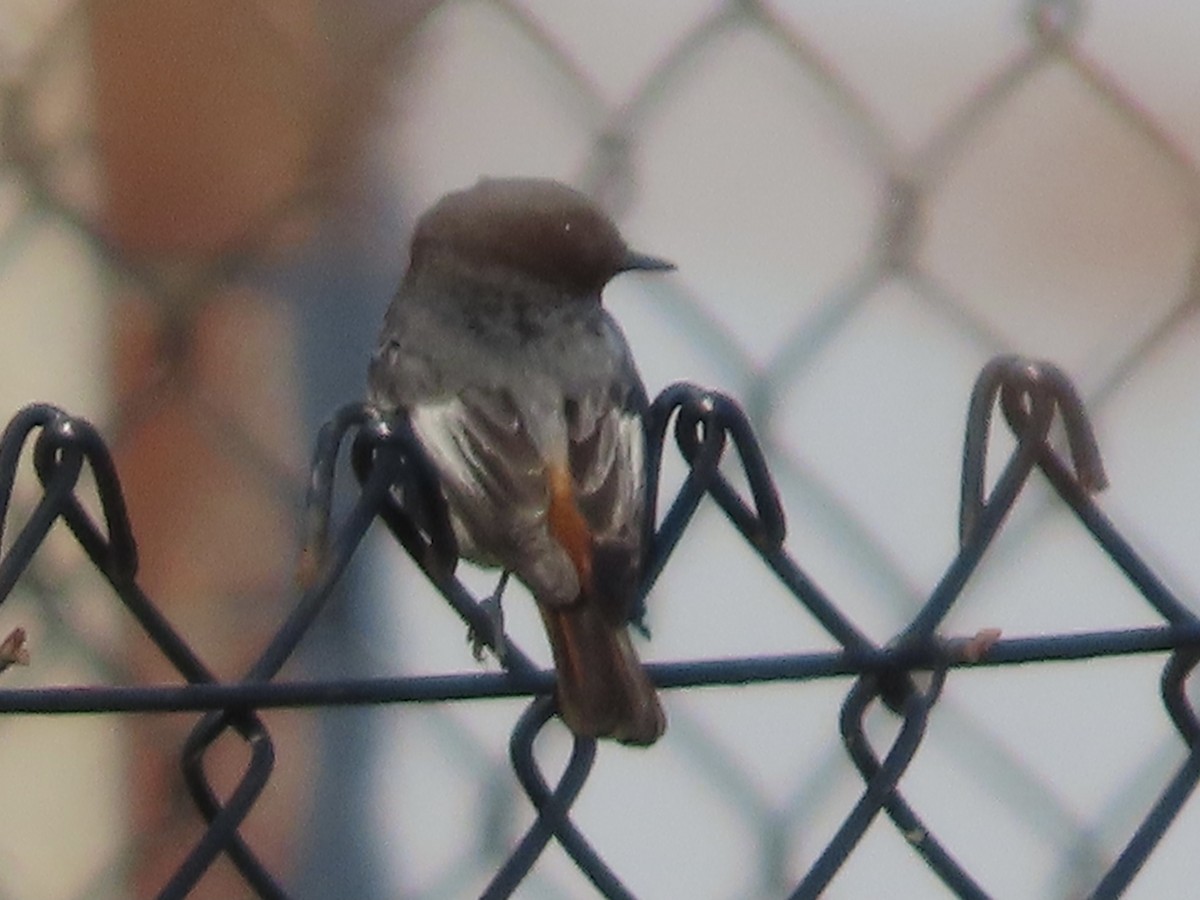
522	391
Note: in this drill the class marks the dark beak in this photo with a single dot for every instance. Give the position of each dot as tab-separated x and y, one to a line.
644	263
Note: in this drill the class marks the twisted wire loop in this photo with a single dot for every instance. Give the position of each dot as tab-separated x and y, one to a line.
1031	396
398	487
64	444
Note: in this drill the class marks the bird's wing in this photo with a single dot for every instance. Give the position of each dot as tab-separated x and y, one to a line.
490	470
606	456
501	492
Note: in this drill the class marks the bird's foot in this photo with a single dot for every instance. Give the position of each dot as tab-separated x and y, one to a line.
494	608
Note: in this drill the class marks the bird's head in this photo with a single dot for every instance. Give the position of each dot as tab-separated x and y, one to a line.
529	227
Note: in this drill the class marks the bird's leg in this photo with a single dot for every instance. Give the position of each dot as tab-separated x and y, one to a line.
495	612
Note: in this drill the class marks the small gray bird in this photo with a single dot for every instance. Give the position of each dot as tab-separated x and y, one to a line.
522	390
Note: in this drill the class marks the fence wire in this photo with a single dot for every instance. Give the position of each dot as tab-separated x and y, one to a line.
706	426
612	136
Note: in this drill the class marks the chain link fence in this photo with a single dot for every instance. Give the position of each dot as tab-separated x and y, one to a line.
866	205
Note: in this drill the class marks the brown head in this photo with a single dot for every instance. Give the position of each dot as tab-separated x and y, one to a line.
532	227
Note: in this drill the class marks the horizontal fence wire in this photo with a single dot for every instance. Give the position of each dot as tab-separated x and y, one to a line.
711	434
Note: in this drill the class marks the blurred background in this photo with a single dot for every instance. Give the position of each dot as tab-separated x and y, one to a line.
204	209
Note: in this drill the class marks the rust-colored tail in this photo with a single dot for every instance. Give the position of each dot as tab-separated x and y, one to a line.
603	691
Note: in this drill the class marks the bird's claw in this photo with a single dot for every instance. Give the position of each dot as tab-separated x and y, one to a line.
494	609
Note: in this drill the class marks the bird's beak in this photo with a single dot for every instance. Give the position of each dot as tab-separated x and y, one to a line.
644	263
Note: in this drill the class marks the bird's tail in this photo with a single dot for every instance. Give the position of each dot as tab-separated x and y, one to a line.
603	691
